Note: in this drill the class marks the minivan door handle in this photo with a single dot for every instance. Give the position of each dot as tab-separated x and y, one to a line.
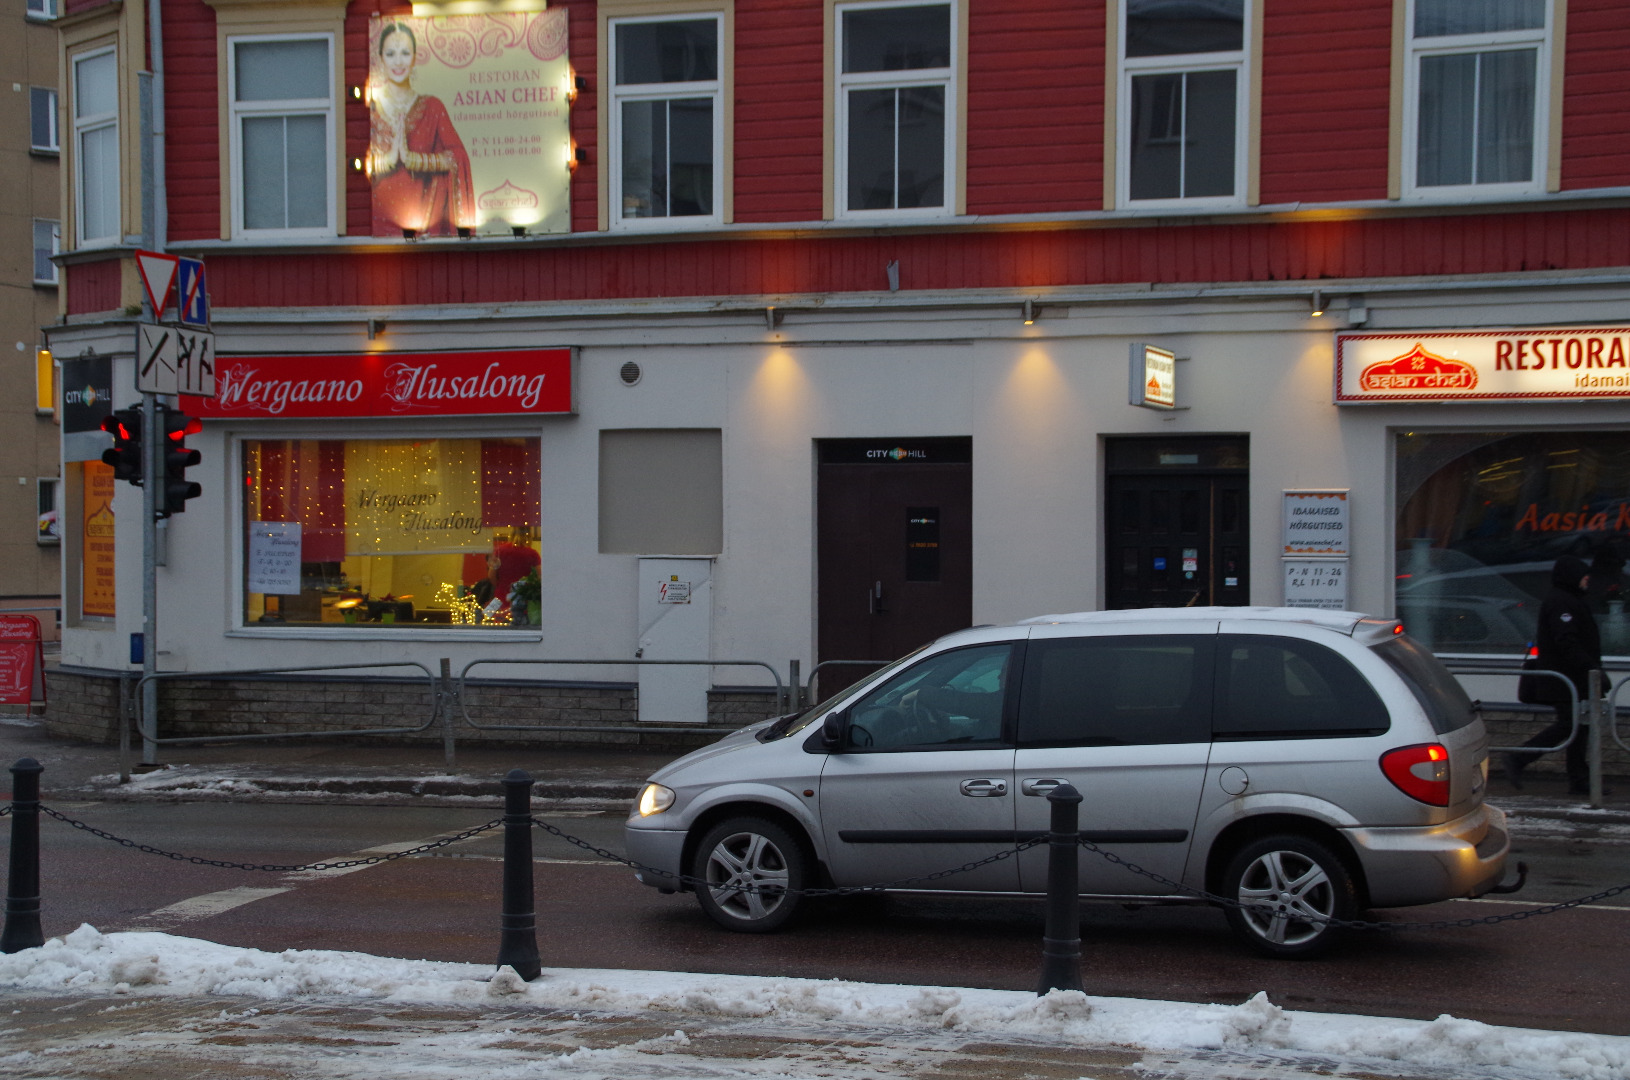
984	787
1039	785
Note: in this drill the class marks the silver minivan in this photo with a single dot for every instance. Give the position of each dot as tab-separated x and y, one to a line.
1311	764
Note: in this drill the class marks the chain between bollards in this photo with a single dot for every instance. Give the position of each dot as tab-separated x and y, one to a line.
1061	940
22	930
518	936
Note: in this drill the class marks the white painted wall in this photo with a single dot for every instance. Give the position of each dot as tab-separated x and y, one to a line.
1037	402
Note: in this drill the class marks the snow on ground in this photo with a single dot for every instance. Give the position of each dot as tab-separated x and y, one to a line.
143	970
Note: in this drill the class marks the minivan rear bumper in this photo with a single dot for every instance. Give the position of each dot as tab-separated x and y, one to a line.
1426	864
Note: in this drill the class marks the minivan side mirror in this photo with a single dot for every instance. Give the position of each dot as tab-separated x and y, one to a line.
834	730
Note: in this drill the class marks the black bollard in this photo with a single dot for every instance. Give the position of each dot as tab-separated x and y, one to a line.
518	938
23	884
1061	941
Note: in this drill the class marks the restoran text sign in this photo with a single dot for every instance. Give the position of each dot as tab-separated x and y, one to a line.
392	384
1554	363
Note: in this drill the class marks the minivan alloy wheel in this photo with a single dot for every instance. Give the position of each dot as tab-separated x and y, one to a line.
1288	886
753	868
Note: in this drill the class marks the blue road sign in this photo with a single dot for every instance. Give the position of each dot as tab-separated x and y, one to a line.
192	297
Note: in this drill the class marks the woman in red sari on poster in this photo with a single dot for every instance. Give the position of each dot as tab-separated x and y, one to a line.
420	171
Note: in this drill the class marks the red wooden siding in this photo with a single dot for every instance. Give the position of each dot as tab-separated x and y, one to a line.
1257	251
93	286
1035	107
778	110
1596	96
192	145
1326	96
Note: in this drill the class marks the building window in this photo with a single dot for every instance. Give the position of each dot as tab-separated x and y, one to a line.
282	97
667	119
1483	516
96	146
896	107
42	120
1478	74
415	533
49	531
47	242
42	9
1183	101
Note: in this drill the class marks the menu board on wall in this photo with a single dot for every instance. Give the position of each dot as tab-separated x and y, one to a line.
98	598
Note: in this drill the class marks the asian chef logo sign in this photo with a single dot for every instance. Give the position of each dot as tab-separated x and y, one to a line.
469	123
1558	363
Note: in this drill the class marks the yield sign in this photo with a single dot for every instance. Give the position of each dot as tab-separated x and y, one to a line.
157	277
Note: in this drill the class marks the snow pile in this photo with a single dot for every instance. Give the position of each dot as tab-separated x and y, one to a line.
89	962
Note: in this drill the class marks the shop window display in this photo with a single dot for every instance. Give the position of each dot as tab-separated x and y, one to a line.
421	533
1483	516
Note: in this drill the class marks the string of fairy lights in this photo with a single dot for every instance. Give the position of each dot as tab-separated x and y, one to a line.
395	498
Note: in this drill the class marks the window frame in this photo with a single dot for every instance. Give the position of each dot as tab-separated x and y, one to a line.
235	593
1416	49
86	125
56	249
42	10
53	120
616	96
1239	61
950	78
235	113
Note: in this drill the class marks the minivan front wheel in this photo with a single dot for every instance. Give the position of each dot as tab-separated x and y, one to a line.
1288	886
753	871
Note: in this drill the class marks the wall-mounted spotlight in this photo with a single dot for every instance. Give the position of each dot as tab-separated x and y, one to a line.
410	234
772	317
464	232
517	231
375	328
356	163
1318	304
356	92
1029	312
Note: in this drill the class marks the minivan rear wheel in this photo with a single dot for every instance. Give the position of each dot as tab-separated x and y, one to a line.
1288	886
753	871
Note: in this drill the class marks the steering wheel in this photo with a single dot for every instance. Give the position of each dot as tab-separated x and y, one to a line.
930	722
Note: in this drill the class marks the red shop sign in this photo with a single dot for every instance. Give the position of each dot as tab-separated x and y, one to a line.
20	657
393	384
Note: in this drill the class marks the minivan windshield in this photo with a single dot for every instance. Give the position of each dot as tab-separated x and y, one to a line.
1439	692
793	723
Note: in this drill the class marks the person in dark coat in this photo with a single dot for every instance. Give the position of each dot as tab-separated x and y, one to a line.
1568	642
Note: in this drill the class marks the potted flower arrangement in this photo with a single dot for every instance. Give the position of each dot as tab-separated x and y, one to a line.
526	600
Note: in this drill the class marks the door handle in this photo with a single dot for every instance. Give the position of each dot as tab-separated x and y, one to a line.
1039	785
874	599
984	787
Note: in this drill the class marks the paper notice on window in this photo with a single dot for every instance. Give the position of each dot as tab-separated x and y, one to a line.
274	557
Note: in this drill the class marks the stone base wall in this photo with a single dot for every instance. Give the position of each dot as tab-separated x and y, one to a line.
1516	724
84	705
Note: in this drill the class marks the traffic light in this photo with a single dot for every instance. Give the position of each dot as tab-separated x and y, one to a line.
177	488
126	454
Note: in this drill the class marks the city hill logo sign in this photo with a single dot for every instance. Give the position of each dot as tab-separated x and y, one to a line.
1549	363
520	381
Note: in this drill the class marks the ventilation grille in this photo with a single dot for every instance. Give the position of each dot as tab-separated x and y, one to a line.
629	373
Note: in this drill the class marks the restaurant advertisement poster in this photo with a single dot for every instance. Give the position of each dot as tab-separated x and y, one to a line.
469	123
98	598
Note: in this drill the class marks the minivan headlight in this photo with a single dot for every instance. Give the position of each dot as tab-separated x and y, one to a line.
654	800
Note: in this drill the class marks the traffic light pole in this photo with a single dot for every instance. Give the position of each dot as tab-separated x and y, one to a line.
152	479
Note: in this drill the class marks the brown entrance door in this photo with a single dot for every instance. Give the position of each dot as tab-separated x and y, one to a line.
1176	522
894	561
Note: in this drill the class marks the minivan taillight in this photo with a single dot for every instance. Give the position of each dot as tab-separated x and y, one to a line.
1420	771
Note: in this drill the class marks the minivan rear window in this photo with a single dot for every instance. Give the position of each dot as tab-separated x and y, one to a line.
1439	692
1288	688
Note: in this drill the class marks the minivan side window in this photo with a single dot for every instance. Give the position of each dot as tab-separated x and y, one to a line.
1116	691
953	700
1286	688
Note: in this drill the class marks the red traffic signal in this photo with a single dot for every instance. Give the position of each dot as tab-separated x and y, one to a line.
126	454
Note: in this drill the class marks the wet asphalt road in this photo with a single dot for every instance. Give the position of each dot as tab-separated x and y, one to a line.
1564	971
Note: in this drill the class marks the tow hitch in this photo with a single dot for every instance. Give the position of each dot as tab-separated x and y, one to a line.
1522	877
